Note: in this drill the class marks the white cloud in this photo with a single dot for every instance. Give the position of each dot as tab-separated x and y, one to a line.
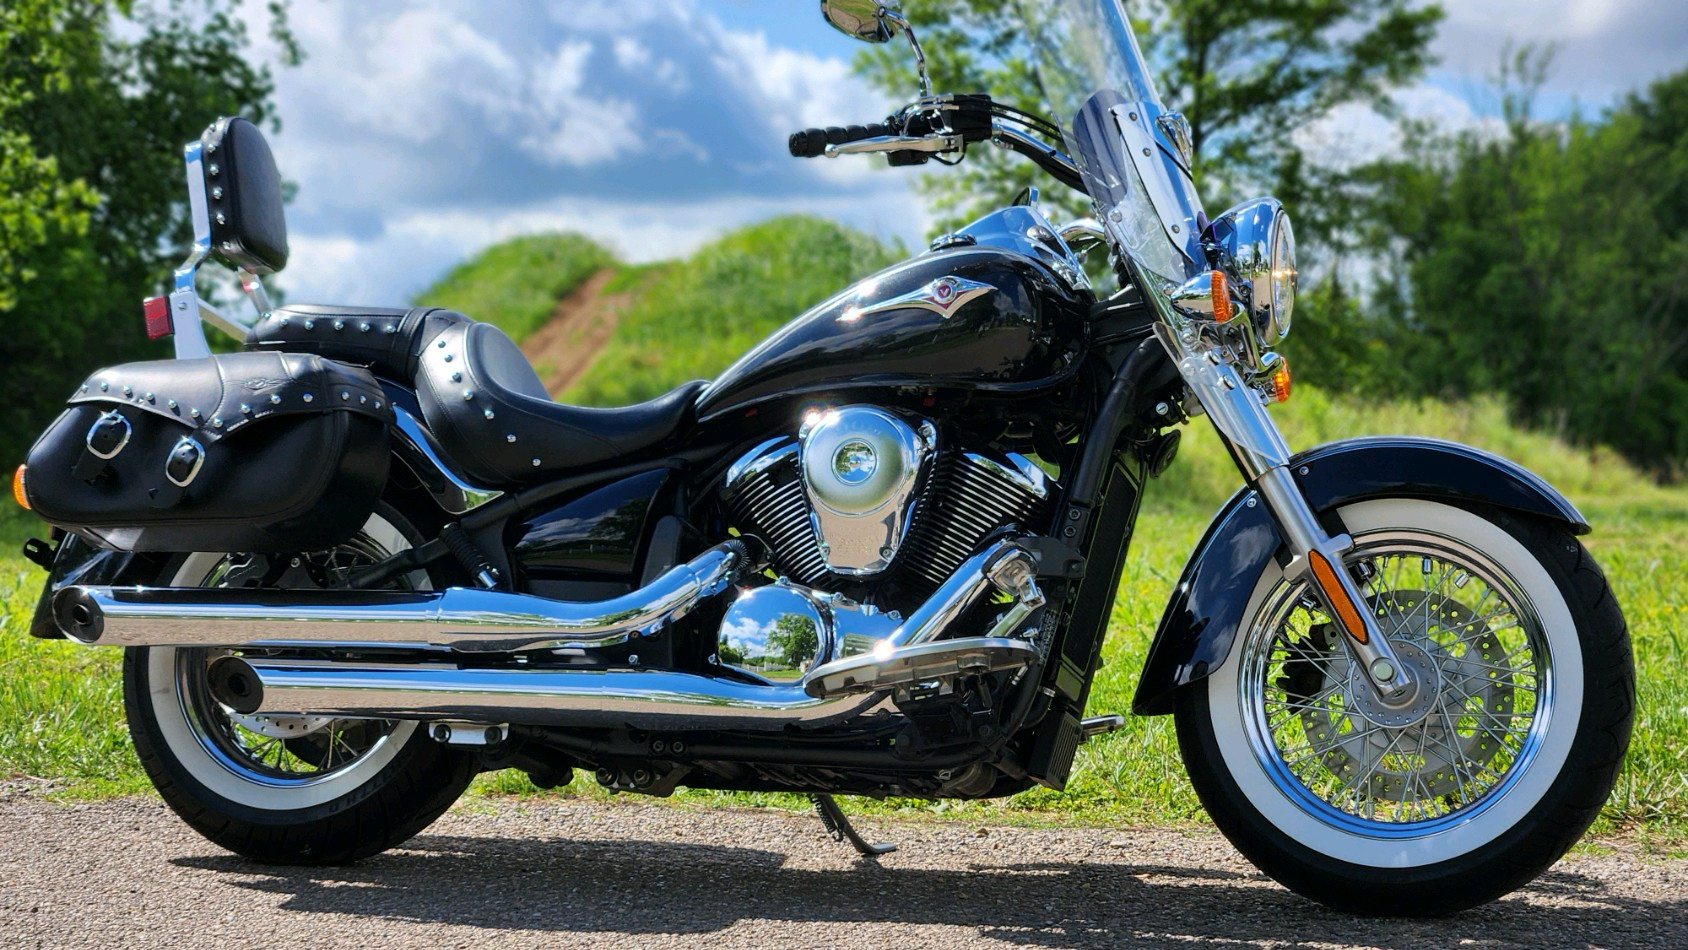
1606	47
1355	134
419	134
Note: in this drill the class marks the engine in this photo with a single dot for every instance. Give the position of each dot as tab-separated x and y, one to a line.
866	494
865	516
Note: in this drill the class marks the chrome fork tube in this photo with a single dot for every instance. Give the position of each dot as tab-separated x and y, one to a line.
1261	452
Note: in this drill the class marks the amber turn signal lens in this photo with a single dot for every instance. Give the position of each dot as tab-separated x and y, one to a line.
1280	383
1222	311
1346	611
18	494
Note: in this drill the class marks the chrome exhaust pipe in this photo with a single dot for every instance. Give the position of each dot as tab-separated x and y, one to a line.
643	699
639	699
466	620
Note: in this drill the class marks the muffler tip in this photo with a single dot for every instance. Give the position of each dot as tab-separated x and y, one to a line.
235	684
78	616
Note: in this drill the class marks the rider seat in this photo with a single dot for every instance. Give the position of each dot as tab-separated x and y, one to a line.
492	416
481	398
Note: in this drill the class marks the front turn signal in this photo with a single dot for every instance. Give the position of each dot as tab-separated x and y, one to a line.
18	494
1280	382
1222	309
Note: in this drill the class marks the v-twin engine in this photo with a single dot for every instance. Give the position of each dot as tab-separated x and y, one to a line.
865	493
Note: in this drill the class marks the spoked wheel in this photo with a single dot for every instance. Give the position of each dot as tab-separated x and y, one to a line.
285	789
1486	776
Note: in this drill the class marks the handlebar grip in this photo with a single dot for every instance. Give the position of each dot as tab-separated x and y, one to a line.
811	143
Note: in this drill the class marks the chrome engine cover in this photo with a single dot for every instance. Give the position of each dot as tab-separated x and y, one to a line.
783	630
861	468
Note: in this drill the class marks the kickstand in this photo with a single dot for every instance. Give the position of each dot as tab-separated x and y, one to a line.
839	827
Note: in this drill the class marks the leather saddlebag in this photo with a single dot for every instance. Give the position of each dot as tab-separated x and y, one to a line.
251	452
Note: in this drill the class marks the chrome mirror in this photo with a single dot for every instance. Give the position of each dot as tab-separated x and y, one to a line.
867	20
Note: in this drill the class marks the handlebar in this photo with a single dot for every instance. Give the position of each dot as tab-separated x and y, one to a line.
812	143
938	125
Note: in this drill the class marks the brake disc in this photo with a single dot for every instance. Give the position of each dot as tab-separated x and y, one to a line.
1429	748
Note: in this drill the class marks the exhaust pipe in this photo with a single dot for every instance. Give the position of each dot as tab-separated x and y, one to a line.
638	699
466	620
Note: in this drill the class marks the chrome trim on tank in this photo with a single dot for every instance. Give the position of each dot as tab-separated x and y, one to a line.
943	296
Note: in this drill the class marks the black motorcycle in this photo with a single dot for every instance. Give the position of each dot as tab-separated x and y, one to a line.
367	557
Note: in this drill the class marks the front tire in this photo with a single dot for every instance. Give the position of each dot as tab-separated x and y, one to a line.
1466	795
295	790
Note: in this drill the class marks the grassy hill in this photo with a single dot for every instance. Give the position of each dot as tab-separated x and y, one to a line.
516	284
694	316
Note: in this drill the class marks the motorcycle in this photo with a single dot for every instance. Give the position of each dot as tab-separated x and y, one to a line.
368	557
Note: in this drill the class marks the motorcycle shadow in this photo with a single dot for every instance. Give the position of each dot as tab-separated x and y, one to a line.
641	887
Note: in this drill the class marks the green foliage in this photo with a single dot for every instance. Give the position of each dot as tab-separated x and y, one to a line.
96	100
516	285
1549	264
694	317
1246	75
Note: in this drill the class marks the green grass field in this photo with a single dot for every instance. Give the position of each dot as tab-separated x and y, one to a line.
63	711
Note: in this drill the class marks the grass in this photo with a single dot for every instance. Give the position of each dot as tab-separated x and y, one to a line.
516	284
64	713
694	317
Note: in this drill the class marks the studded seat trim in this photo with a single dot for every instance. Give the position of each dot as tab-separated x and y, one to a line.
492	415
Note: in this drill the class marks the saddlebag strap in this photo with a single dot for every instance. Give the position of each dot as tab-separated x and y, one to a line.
181	467
108	436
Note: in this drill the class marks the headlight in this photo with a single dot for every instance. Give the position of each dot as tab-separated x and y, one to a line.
1259	241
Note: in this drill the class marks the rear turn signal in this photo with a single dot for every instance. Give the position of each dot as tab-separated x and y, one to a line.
18	493
1280	383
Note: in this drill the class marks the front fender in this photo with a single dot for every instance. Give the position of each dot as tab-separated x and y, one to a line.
1207	604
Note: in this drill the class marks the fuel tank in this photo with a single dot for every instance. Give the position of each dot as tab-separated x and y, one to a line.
968	317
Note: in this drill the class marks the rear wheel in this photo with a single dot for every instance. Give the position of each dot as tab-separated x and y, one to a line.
1466	793
291	790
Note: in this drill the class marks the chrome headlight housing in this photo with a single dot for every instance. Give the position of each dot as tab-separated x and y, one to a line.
1258	243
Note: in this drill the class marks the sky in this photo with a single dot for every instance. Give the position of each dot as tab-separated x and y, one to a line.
421	132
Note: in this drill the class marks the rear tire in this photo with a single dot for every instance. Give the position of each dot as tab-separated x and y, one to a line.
394	781
1491	784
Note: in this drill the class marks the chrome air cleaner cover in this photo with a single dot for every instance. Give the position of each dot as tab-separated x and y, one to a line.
862	468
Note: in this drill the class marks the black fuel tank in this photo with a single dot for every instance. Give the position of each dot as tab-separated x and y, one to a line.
971	318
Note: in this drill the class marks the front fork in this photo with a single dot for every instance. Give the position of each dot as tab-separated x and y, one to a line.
1239	414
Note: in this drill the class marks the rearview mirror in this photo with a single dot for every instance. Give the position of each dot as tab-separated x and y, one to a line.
862	19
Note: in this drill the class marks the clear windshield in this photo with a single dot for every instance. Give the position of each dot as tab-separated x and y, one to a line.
1094	75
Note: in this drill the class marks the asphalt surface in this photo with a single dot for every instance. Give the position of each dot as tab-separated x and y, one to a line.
126	873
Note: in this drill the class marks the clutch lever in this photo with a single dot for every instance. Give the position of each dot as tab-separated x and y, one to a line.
936	143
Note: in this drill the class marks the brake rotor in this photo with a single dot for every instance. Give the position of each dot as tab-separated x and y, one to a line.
1429	748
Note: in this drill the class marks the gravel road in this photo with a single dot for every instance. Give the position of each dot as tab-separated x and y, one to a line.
126	873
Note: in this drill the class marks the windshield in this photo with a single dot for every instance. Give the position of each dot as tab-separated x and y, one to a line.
1094	75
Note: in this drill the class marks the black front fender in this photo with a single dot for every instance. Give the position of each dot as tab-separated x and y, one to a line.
1207	604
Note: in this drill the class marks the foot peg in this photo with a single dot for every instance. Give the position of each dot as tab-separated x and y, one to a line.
839	827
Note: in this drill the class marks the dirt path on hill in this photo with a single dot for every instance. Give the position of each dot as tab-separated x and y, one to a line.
549	873
564	348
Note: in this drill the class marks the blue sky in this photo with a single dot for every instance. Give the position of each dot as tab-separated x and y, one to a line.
420	132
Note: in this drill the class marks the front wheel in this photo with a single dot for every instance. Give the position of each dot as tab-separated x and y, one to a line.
1464	794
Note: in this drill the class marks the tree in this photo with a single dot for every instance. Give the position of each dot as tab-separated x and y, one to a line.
1246	75
96	99
1549	264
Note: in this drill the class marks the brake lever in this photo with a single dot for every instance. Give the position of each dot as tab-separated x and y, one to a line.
897	143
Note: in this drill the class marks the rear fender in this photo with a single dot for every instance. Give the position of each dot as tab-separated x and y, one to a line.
78	562
1206	608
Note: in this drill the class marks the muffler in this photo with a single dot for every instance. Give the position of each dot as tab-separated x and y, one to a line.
466	620
638	699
